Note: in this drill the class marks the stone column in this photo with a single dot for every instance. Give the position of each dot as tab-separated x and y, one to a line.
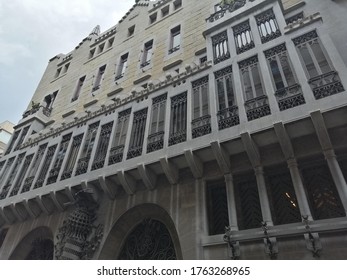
299	188
230	189
337	175
264	200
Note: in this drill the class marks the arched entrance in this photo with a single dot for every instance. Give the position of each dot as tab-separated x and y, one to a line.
36	245
145	232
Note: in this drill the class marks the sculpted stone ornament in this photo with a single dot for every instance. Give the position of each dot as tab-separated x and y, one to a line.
79	237
232	5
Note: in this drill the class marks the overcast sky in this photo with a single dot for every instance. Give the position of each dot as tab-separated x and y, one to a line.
33	31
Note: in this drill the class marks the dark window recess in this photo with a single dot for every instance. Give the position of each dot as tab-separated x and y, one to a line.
3	233
6	169
44	170
248	205
101	150
22	137
178	121
137	134
42	249
13	140
268	26
243	37
69	166
322	193
217	207
220	47
22	173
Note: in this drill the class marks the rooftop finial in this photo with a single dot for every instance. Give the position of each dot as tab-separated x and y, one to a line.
95	31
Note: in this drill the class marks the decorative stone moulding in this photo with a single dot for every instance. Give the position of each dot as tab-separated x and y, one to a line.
300	22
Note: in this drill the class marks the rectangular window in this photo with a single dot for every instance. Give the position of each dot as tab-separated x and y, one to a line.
72	157
217	207
46	164
101	48
178	121
201	124
22	137
131	31
13	141
177	4
110	43
256	101
66	67
83	162
175	39
220	47
323	79
153	18
123	64
6	169
268	26
165	11
156	137
57	74
91	53
34	168
22	174
101	150
117	150
99	77
78	88
48	103
227	114
54	172
288	92
137	134
243	37
147	53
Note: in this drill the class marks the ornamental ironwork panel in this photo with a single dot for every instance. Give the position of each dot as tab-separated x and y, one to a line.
257	108
76	143
322	193
295	18
248	62
27	184
2	165
243	37
275	50
7	186
116	154
13	140
220	47
22	136
178	127
6	169
54	172
249	211
268	26
225	71
159	99
305	38
217	207
42	249
177	137
150	240
25	167
326	85
289	97
138	133
49	157
200	82
228	117
101	150
155	141
284	202
201	126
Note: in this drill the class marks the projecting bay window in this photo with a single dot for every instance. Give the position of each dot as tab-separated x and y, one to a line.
267	26
323	79
13	141
147	54
44	170
101	150
220	47
83	162
21	176
178	122
201	124
117	150
122	66
137	134
6	188
22	137
34	168
217	207
175	39
72	157
228	113
156	137
54	172
243	37
256	101
99	78
288	91
78	88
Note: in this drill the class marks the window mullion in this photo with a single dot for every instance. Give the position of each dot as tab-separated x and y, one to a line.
313	58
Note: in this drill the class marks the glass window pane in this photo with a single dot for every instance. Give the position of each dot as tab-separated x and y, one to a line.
220	92
320	57
276	74
247	85
257	82
287	70
311	69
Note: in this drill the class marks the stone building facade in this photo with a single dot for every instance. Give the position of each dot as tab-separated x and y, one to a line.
190	130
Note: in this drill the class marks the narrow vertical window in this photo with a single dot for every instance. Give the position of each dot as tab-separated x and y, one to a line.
156	137
48	103
44	170
6	169
153	18
256	101
288	92
131	31
34	168
78	88
54	172
147	54
137	134
72	157
123	64
175	39
220	47
21	176
117	150
178	122
268	26
243	37
12	142
201	124
99	77
83	162
165	11
323	79
103	143
177	4
227	114
22	137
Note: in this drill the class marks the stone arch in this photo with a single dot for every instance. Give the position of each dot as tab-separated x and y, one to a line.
130	222
37	244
